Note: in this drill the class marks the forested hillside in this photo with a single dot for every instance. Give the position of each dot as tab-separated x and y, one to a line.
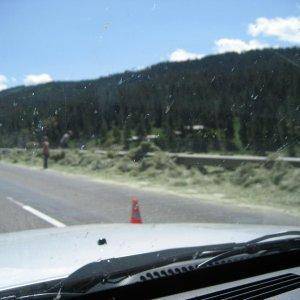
245	102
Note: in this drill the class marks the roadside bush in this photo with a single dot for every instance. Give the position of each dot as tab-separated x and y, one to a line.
242	174
286	177
111	154
145	164
179	182
125	165
248	174
69	159
138	153
31	145
175	172
28	156
162	161
86	159
197	178
279	174
57	155
291	183
97	165
278	171
151	173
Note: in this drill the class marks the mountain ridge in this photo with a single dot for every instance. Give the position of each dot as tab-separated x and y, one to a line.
235	96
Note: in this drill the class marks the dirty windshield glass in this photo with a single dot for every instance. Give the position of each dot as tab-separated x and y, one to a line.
143	112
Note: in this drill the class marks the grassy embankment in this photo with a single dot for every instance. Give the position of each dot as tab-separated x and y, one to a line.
274	185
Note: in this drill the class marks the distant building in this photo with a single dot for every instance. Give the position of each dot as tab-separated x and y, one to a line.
152	137
177	132
188	127
134	138
194	127
148	138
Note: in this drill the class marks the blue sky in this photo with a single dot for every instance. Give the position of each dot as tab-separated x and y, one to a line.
43	40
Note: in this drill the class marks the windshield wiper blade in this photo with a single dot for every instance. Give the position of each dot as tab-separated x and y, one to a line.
275	235
106	271
257	245
109	269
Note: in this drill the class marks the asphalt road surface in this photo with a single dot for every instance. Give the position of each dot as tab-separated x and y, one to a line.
38	199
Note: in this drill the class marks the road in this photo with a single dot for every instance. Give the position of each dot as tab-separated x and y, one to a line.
32	198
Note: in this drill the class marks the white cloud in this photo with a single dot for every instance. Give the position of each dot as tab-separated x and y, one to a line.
182	55
3	82
285	29
237	45
13	79
33	79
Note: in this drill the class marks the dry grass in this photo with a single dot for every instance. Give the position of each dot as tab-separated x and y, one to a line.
275	183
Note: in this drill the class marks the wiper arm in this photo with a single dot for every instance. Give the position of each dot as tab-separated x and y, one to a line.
274	235
255	246
106	271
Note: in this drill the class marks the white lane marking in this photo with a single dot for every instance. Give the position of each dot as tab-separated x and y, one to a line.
37	213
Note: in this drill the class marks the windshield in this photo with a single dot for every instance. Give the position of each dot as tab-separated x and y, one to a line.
116	113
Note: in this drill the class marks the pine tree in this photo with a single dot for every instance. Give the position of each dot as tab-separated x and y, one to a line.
141	131
229	133
126	135
116	135
103	131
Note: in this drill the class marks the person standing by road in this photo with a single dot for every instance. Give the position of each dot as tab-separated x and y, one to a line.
46	152
64	142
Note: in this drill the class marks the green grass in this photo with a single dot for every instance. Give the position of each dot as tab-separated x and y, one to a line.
272	184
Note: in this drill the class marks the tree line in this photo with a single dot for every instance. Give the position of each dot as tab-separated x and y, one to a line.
229	102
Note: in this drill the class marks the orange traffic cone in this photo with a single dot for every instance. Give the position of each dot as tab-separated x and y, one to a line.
135	212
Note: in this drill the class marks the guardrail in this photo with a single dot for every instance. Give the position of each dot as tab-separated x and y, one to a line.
227	161
189	160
